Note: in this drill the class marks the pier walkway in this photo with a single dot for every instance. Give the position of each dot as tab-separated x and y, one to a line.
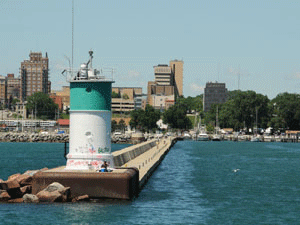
151	155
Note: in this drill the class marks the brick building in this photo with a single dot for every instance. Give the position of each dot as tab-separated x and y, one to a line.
34	75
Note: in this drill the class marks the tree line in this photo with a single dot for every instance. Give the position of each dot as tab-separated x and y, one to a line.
243	109
247	109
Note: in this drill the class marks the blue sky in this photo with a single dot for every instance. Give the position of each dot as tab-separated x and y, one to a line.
215	39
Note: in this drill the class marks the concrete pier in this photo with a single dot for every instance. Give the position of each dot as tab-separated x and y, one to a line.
146	162
134	165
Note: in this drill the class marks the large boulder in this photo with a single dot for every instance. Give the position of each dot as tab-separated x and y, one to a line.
12	177
22	179
55	192
30	198
4	196
9	184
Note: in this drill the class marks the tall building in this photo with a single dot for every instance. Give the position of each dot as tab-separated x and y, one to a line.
168	85
177	71
13	86
214	93
2	90
34	75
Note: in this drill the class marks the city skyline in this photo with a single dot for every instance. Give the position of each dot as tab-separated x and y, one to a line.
218	41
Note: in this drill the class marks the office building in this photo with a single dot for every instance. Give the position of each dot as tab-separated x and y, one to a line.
167	85
163	75
214	93
126	99
35	75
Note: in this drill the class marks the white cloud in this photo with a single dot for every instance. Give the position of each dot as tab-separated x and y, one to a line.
293	76
196	88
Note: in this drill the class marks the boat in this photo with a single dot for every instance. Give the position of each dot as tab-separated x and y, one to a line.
255	139
186	135
202	136
216	137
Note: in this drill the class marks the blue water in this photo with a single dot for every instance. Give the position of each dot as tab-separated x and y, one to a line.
195	184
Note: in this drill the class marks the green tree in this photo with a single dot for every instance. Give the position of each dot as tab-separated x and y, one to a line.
239	110
125	96
150	117
114	126
41	105
285	109
115	95
191	103
145	119
176	117
136	116
122	125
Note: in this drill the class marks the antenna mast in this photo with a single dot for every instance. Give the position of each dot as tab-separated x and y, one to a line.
72	37
239	77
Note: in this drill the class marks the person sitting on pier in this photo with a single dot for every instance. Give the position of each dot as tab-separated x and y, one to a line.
104	167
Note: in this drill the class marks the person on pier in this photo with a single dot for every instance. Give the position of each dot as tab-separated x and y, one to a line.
104	167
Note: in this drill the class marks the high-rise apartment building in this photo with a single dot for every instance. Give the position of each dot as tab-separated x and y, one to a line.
177	71
2	90
34	75
214	93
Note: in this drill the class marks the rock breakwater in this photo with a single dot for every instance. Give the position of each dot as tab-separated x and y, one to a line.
18	189
33	137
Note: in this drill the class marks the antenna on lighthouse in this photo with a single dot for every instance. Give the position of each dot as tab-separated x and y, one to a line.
72	37
91	57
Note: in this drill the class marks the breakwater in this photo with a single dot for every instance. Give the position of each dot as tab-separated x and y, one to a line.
58	138
33	137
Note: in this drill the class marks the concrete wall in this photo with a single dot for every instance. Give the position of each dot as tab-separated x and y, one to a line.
123	156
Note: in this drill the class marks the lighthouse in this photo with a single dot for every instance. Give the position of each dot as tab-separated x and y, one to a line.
90	119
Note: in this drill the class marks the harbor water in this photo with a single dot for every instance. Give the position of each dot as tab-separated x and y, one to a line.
196	183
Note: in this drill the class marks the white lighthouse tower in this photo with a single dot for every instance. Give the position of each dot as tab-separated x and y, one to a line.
90	119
